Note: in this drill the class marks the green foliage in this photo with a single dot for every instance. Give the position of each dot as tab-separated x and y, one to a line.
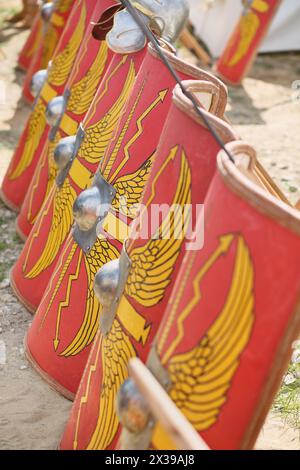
4	268
3	245
287	402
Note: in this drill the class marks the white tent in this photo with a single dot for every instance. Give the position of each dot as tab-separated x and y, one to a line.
214	21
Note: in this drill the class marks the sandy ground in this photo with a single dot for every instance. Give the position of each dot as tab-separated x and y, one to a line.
32	416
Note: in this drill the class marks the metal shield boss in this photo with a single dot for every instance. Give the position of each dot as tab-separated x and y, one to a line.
76	160
211	353
32	142
32	44
148	264
55	16
246	39
102	221
64	114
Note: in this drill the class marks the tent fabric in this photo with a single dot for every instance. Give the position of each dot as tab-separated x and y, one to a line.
214	21
284	34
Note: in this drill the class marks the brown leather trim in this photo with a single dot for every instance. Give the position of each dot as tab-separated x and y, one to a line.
252	193
197	73
269	184
218	104
219	100
224	130
53	384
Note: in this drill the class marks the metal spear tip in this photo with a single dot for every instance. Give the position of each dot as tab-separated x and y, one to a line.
106	283
132	409
55	110
64	151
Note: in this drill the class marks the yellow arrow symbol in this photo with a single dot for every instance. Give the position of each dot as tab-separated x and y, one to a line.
160	98
66	302
170	158
91	113
84	398
76	67
37	232
60	267
223	248
110	157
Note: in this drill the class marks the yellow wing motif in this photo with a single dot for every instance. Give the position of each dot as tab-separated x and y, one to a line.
82	93
201	378
130	189
260	5
98	135
63	62
153	264
36	127
248	28
102	253
61	223
116	351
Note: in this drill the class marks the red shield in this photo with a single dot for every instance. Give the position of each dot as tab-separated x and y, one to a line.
32	142
32	44
243	45
50	231
182	171
91	65
126	166
52	32
227	333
